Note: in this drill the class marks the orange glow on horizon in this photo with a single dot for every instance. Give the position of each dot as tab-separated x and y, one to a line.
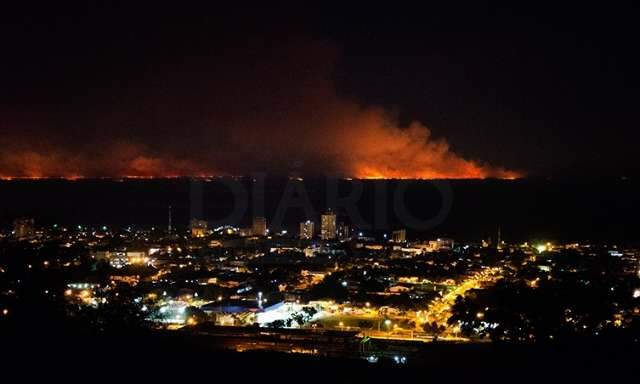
372	174
294	123
363	176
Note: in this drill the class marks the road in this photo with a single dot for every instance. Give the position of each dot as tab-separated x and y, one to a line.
439	310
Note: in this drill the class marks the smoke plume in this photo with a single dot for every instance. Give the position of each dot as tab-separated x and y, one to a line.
241	111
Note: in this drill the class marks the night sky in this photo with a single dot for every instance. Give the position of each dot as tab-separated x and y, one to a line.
155	90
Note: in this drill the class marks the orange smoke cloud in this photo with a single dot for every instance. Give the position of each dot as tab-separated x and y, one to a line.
275	111
118	160
372	145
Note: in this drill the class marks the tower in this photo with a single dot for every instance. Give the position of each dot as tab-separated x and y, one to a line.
344	232
399	236
259	227
199	228
306	230
328	226
23	228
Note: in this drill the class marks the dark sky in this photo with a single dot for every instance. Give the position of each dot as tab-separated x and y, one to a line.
110	90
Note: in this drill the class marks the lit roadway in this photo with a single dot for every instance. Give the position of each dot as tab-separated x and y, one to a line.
439	309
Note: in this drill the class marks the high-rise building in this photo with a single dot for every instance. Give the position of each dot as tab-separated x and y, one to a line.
259	227
23	228
307	230
328	226
399	236
199	228
344	232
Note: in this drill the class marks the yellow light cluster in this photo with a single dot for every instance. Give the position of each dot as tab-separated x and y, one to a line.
138	260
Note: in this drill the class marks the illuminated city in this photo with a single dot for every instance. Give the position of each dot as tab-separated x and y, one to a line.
379	297
265	192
